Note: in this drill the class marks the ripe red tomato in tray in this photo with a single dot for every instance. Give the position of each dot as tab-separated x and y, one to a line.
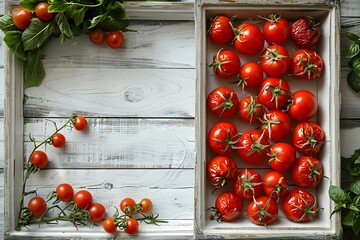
274	93
275	185
304	106
275	60
223	102
276	124
249	39
306	64
253	146
250	75
262	210
277	29
282	156
308	138
220	170
222	138
228	206
226	64
305	32
221	31
248	184
250	110
307	172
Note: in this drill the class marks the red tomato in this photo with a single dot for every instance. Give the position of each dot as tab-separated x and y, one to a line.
37	206
275	60
146	205
304	106
282	156
248	184
253	146
275	185
127	206
42	12
220	170
249	39
132	226
300	206
306	64
39	159
98	36
97	212
274	93
22	18
80	123
277	29
226	64
58	140
221	31
305	32
250	75
276	124
109	225
228	207
263	210
250	110
223	102
65	192
307	172
83	199
222	137
115	39
308	138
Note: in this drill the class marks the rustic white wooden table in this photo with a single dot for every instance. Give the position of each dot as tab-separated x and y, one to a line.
140	109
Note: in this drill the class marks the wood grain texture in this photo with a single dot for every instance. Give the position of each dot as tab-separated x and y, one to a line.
350	100
350	8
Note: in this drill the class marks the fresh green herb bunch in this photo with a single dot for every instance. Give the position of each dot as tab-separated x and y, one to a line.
72	17
353	53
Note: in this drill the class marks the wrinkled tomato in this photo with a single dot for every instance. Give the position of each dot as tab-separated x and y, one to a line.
220	170
307	172
308	138
253	146
306	64
305	32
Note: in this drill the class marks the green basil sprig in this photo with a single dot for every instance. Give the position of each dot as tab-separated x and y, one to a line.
353	53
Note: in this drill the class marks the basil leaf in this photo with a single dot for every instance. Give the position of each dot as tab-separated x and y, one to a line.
33	70
352	36
355	187
357	161
38	31
57	6
96	20
64	26
355	171
356	201
356	66
337	208
14	43
353	81
113	24
352	50
356	224
7	23
352	207
348	220
30	4
77	14
337	194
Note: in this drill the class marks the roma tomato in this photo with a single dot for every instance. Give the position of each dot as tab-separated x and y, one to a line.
306	64
228	207
223	102
146	205
304	106
39	159
276	124
127	206
220	170
282	156
58	140
115	39
275	185
307	172
109	225
83	199
42	12
37	206
275	60
262	210
248	184
249	39
250	75
132	226
253	146
80	123
274	93
305	32
250	110
222	138
308	138
97	36
226	64
300	206
277	29
65	192
221	31
97	212
22	18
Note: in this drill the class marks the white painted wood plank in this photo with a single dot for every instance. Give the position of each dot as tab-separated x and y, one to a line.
350	8
1	201
125	143
350	100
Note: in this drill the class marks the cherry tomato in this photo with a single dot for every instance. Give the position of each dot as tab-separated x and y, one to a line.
221	31
58	140
22	18
115	39
132	226
250	110
109	225
226	64
276	30
228	206
275	185
39	159
248	184
97	212
221	169
83	199
253	146
305	32
300	206
274	93
276	124
146	205
275	60
307	172
65	192
308	138
282	156
262	210
249	39
97	36
304	106
250	75
127	205
306	64
42	12
37	206
222	137
223	102
80	123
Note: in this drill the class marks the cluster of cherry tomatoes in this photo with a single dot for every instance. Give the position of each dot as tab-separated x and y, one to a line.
113	39
282	131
